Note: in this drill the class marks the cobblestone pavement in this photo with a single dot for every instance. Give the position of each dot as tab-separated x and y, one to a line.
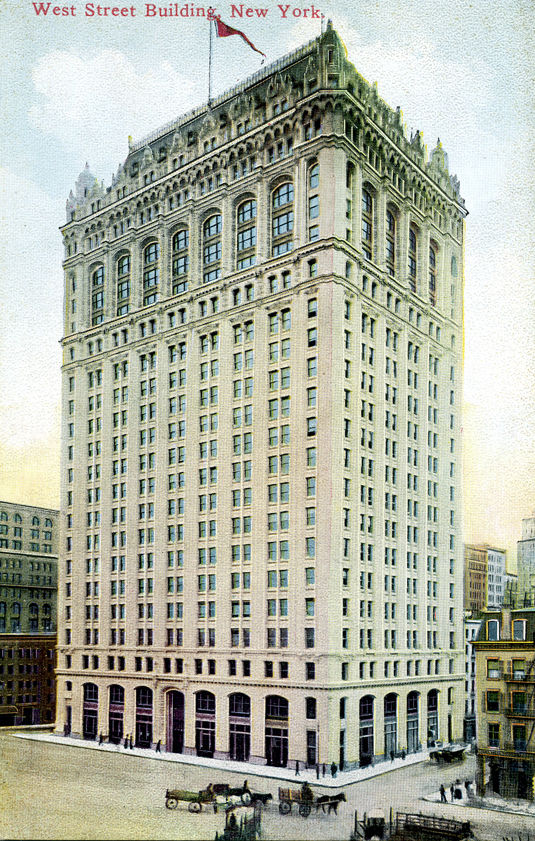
54	791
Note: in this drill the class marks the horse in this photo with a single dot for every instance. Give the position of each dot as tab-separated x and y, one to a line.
331	801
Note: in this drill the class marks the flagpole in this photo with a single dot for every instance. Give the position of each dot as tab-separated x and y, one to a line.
210	22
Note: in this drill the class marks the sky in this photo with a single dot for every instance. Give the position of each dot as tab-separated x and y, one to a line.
74	87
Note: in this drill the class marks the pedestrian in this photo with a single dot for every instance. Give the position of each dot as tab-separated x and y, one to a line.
392	756
317	771
131	743
324	770
126	741
467	784
100	739
297	774
159	746
334	769
452	792
443	794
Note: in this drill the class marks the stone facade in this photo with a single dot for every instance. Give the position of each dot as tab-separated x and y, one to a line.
28	612
261	547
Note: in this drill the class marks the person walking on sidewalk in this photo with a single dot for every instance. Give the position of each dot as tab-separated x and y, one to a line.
443	794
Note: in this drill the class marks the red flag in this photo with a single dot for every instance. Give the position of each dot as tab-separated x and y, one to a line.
224	30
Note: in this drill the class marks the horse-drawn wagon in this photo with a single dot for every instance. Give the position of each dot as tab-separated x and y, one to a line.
305	800
209	795
216	794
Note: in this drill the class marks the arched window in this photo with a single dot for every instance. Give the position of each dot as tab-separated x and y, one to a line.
276	707
366	708
413	257
313	201
143	696
35	521
15	609
282	222
239	704
17	518
34	609
46	610
454	269
205	702
151	273
390	242
212	248
180	261
246	234
2	608
123	284
3	516
412	703
367	223
433	273
48	523
390	708
116	694
90	692
97	296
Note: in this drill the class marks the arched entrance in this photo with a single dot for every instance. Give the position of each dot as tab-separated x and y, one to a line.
116	714
90	711
391	724
276	731
432	717
366	730
175	721
412	722
143	717
239	726
205	723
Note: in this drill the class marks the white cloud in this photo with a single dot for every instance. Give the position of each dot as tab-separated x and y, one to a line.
92	103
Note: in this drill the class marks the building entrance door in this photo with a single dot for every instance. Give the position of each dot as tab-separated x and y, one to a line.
391	738
205	737
115	726
90	724
366	745
240	742
276	747
412	735
143	733
175	722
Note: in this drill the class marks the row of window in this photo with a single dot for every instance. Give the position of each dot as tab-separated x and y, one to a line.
368	244
211	250
17	518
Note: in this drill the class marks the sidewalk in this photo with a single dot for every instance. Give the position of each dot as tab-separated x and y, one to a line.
492	802
342	778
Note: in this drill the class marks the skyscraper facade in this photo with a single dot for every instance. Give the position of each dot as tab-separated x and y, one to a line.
261	482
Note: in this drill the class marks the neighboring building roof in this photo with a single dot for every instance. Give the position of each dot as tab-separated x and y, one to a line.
507	616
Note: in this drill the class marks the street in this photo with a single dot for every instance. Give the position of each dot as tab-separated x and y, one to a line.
59	792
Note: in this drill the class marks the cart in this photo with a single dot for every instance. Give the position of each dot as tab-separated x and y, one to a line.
289	796
196	799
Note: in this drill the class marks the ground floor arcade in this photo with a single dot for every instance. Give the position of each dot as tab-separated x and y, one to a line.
267	725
